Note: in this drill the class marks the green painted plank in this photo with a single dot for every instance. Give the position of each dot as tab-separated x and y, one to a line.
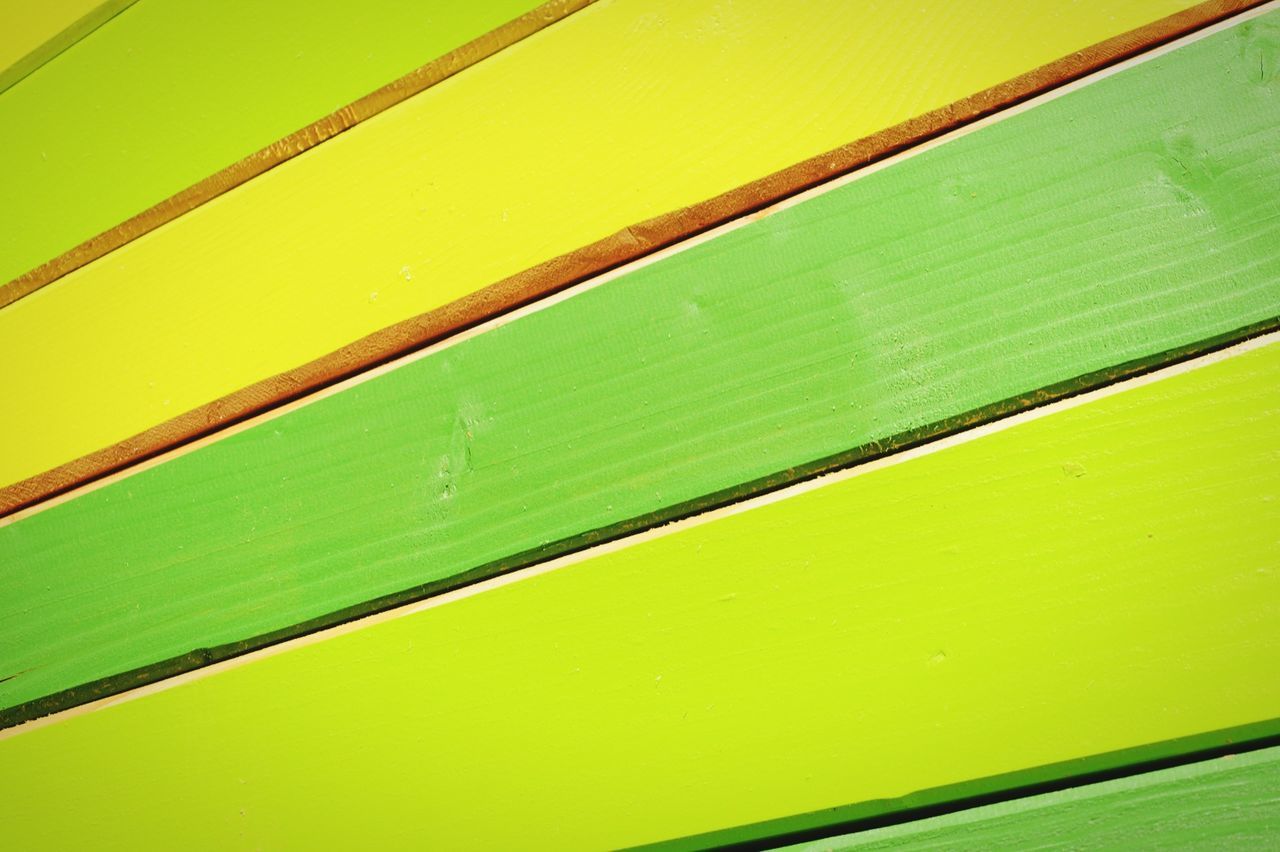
1027	253
1003	787
169	92
1231	802
1096	579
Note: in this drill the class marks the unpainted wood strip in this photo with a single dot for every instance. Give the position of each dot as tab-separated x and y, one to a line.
340	120
1056	594
1045	274
288	264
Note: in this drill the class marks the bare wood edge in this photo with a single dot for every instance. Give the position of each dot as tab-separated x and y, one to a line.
625	246
68	37
283	150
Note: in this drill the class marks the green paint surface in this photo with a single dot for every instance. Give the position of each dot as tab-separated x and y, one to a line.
1228	803
1095	579
168	92
1133	216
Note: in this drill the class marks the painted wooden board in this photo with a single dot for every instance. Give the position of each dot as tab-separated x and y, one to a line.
823	330
434	198
1229	803
141	34
1090	580
170	92
31	34
27	26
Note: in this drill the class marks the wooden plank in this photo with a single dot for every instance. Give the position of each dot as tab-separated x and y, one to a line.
398	219
169	93
1231	802
234	136
812	338
35	33
1075	584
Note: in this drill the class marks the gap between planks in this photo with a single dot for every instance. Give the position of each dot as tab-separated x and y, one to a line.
599	262
300	141
655	532
780	833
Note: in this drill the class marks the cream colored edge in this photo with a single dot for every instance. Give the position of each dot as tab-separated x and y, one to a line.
634	539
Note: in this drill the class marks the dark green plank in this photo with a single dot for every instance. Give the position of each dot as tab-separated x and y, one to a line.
1112	226
1231	802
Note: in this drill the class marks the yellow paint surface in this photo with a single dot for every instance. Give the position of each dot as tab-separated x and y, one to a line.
624	111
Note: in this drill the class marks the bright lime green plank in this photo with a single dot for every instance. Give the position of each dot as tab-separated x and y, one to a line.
1228	803
1089	581
169	92
1027	253
31	34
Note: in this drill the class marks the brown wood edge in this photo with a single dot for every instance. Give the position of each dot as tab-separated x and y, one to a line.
283	150
622	247
65	39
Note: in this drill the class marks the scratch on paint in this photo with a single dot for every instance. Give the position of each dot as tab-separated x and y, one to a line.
8	678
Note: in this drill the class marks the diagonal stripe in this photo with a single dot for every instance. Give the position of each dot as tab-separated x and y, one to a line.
821	336
1232	801
286	269
172	105
1079	583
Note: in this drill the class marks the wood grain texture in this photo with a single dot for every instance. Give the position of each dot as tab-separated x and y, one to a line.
168	93
900	305
395	218
1077	584
1229	803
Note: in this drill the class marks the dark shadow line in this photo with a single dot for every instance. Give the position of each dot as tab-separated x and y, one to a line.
1008	787
901	442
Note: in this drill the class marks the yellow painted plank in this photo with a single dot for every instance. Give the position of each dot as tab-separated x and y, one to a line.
1062	588
623	111
152	116
668	389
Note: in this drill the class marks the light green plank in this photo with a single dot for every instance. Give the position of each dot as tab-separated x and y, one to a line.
1229	803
